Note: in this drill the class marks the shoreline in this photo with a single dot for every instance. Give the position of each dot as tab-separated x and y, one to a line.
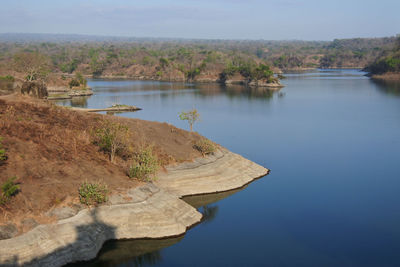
387	77
162	213
272	86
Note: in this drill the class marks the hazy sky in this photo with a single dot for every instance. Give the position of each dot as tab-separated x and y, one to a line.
221	19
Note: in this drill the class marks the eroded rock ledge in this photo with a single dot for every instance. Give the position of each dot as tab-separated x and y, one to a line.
220	172
152	211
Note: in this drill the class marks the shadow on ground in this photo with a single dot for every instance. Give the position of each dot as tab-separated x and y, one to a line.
90	238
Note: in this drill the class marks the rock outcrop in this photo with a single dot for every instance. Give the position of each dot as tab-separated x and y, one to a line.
222	171
148	211
151	213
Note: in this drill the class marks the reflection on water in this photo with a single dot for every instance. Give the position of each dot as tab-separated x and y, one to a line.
120	91
388	87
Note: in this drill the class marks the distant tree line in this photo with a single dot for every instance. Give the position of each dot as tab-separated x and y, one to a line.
194	58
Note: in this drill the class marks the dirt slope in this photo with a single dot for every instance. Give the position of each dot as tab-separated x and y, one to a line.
50	150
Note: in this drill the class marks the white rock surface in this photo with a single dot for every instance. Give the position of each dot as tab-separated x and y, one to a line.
220	172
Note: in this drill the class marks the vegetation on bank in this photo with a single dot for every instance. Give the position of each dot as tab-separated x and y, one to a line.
93	193
205	146
8	190
3	155
192	60
78	81
191	116
389	62
144	164
113	138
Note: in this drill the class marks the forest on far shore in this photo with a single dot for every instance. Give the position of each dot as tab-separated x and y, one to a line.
184	59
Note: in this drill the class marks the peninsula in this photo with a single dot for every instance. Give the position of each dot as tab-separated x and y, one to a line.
52	153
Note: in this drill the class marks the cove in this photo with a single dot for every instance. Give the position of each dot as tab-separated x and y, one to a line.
330	138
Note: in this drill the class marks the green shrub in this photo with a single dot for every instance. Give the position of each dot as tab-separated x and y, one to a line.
205	146
93	193
74	83
3	155
8	189
145	165
113	138
7	78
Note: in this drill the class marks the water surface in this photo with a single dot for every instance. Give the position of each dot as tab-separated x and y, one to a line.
331	139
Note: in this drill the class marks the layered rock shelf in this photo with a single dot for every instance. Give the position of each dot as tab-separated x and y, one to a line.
222	171
153	210
151	213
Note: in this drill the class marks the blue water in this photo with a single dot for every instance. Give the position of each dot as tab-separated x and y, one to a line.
332	141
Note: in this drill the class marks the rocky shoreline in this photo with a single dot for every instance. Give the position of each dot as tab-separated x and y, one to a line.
148	211
272	86
63	92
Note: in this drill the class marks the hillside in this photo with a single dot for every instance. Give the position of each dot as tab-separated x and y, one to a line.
53	150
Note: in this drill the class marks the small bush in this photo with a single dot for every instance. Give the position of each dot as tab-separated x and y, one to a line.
93	193
145	165
7	78
74	83
205	146
8	189
113	138
3	155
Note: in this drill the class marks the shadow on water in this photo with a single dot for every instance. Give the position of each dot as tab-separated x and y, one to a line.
147	252
130	252
89	240
388	87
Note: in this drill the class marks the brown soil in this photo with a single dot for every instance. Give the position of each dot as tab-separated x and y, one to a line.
50	149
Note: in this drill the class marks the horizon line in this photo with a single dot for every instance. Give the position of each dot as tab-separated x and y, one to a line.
188	38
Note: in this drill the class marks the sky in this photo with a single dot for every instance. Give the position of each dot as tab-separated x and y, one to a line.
205	19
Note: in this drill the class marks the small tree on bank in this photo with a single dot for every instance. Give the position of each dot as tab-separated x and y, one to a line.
190	116
113	138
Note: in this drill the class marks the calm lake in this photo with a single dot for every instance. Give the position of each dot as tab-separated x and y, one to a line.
332	141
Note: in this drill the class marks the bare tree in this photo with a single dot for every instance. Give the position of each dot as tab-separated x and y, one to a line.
34	65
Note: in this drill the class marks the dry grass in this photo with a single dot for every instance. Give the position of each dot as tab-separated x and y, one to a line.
50	149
